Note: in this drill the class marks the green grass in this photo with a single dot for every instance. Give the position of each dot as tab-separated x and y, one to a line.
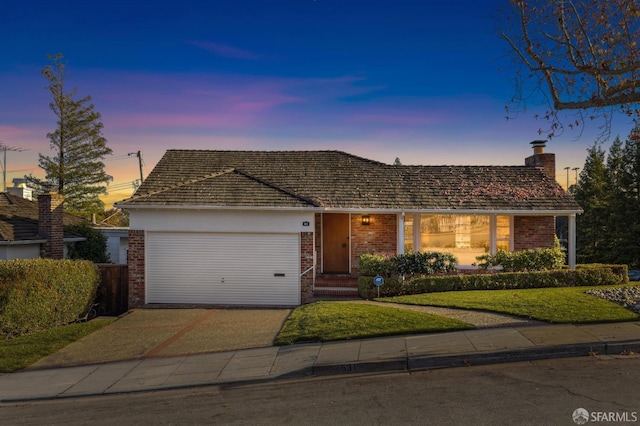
20	352
324	321
554	305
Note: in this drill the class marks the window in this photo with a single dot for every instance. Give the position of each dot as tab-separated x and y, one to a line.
503	233
408	233
464	236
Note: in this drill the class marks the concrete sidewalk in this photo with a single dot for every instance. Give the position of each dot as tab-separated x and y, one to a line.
397	353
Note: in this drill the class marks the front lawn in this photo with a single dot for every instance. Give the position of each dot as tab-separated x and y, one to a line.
20	352
324	321
554	305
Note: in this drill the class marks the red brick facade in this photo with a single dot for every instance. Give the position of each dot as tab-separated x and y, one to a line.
135	259
306	262
50	224
379	237
533	232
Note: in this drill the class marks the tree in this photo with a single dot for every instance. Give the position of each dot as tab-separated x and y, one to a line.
93	249
584	55
609	229
630	185
76	171
591	194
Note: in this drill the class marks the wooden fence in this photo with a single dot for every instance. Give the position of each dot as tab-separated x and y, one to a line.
113	292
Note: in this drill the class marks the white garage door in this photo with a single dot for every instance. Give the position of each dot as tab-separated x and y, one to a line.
221	268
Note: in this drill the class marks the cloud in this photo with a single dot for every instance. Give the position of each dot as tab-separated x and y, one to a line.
225	50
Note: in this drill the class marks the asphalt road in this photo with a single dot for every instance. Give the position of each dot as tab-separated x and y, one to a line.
531	393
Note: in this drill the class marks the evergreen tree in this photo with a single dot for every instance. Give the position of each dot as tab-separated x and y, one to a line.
616	216
630	183
591	194
76	170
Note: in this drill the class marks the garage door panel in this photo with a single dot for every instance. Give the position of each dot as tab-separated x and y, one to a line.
223	268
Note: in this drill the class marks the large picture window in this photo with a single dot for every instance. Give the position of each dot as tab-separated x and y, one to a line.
464	236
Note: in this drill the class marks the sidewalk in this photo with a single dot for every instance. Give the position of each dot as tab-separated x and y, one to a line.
396	353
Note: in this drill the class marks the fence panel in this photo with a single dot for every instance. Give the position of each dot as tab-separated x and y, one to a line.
113	292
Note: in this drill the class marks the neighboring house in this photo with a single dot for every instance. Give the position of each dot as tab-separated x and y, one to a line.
117	242
31	229
265	228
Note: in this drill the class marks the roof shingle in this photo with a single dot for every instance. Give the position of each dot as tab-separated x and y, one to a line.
19	219
336	179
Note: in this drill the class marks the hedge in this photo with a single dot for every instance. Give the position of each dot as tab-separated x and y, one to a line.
407	264
37	294
583	275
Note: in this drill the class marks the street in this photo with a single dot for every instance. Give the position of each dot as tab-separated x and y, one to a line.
527	393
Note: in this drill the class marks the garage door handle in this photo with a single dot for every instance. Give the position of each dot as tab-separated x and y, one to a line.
278	275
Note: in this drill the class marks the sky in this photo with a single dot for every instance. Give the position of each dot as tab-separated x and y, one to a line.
423	81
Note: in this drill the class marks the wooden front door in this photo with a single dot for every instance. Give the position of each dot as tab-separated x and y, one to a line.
335	243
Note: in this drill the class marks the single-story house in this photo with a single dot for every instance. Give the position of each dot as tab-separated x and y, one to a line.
31	229
270	227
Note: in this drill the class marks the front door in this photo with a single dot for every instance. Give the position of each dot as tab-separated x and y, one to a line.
335	243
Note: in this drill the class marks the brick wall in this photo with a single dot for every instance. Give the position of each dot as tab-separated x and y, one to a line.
532	232
545	160
379	237
135	260
306	262
50	224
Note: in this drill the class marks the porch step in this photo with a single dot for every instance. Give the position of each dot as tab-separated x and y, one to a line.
335	287
337	281
335	293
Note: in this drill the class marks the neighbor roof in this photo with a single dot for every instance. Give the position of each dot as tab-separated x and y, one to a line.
19	219
338	180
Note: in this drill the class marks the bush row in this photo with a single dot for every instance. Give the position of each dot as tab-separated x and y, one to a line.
524	260
583	275
407	264
37	294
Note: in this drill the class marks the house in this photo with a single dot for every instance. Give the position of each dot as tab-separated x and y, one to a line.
117	242
270	227
31	229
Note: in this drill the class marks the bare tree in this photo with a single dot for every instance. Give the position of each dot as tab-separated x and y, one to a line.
584	55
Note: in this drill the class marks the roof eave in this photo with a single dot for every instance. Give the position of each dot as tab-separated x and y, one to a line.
520	212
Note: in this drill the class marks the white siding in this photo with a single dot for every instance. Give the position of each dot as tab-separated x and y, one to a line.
223	268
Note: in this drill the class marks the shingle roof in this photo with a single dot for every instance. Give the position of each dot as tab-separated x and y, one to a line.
19	219
335	179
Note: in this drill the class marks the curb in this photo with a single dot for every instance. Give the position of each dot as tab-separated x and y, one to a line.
468	360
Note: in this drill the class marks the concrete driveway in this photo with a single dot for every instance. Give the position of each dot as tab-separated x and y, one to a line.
149	333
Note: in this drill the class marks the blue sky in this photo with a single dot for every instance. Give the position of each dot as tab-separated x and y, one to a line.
423	81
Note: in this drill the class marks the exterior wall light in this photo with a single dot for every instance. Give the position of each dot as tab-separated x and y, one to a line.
366	220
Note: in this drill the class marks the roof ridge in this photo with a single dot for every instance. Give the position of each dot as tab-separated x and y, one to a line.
286	191
183	183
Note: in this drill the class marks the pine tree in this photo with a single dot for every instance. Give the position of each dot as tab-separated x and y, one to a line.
616	205
76	170
630	183
591	194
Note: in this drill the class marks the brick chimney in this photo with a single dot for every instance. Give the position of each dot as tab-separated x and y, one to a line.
541	159
50	224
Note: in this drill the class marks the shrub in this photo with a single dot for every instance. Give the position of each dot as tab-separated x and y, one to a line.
423	263
584	275
93	249
407	264
375	264
37	294
525	260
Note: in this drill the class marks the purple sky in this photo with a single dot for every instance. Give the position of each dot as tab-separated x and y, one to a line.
382	79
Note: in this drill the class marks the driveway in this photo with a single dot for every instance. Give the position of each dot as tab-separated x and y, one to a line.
149	333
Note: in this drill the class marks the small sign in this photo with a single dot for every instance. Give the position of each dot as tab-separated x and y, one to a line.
378	281
306	223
